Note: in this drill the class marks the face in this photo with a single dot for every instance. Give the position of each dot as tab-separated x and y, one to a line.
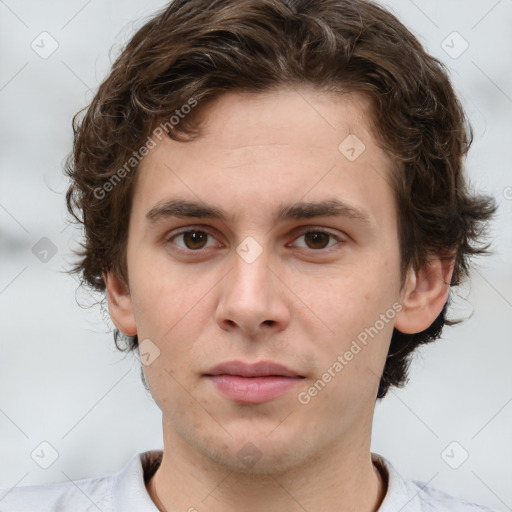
262	274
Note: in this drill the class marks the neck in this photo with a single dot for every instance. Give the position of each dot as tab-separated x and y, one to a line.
343	477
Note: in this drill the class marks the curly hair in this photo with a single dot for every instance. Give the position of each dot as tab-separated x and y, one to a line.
192	51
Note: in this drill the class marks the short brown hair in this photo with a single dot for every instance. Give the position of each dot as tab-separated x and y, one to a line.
195	51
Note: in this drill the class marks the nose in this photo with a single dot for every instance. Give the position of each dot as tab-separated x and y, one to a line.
253	298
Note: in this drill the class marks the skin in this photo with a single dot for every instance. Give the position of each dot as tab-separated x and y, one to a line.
298	303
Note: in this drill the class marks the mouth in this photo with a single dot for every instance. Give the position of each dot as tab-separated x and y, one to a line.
252	383
259	369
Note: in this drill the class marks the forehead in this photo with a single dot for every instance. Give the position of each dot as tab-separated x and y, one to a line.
271	148
283	115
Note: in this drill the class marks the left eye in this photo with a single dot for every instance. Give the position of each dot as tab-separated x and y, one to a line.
318	239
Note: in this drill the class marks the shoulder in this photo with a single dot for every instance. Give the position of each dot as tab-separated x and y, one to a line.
124	491
84	495
417	496
433	499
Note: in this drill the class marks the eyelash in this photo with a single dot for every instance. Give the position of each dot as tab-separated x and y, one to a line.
189	229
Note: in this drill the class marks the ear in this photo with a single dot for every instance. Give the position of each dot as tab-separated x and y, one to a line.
424	295
120	303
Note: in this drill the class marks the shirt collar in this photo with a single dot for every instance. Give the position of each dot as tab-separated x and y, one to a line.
398	494
129	493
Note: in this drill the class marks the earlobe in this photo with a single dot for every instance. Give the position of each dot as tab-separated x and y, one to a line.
424	296
120	303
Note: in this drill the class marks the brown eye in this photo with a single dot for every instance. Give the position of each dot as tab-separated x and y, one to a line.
317	239
192	240
195	239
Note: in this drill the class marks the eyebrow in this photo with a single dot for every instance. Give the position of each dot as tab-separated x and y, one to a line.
302	210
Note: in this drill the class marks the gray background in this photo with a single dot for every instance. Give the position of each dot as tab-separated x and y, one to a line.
62	380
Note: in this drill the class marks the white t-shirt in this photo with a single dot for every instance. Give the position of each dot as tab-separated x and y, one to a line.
126	492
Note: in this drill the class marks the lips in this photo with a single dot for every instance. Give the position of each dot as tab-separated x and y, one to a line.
259	369
252	383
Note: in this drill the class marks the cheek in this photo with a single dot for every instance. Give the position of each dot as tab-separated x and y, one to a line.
170	390
358	307
166	310
354	298
164	295
172	309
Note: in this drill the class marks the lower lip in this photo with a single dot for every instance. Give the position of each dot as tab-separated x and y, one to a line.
253	390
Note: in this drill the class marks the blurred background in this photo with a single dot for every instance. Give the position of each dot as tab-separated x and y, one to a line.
64	388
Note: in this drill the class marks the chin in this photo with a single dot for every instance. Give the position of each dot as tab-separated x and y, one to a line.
258	454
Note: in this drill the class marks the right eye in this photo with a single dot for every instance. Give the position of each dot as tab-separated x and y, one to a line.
192	240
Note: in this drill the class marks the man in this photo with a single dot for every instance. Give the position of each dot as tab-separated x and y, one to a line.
274	202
